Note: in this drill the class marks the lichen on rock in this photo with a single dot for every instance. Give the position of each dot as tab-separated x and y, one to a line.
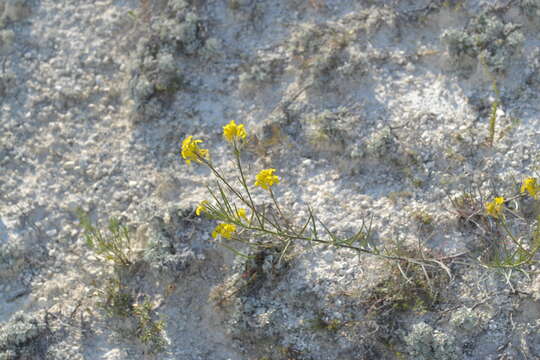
486	39
426	343
23	337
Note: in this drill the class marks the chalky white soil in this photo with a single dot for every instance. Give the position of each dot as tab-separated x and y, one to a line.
365	108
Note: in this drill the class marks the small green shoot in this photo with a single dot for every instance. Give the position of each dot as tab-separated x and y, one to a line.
494	107
320	323
115	299
492	120
149	331
114	245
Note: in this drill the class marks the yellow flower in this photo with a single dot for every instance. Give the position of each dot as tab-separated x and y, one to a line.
241	213
201	208
495	208
530	185
232	131
266	178
225	230
192	151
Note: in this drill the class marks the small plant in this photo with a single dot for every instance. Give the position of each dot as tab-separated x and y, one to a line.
115	299
149	331
321	323
240	217
404	289
487	39
423	219
515	251
421	289
114	246
494	219
469	206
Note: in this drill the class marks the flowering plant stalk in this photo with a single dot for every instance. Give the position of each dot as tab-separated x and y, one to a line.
239	216
521	253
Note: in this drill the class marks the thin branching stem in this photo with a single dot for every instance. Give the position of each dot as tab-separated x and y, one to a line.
338	244
278	208
244	182
232	189
269	225
512	237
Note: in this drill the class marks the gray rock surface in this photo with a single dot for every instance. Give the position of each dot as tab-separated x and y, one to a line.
373	110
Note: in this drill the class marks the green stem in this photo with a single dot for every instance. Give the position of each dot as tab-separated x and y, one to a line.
230	248
514	240
278	208
218	175
294	235
244	183
341	245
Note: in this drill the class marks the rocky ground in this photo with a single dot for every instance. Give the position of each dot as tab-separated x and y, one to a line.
408	115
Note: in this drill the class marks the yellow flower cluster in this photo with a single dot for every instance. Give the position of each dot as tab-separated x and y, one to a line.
225	230
232	131
530	185
266	178
241	213
201	208
495	208
191	150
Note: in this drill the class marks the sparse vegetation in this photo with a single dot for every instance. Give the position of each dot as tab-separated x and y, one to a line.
423	218
420	291
486	39
115	245
404	289
357	113
323	53
149	331
272	224
115	297
497	220
321	323
117	300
